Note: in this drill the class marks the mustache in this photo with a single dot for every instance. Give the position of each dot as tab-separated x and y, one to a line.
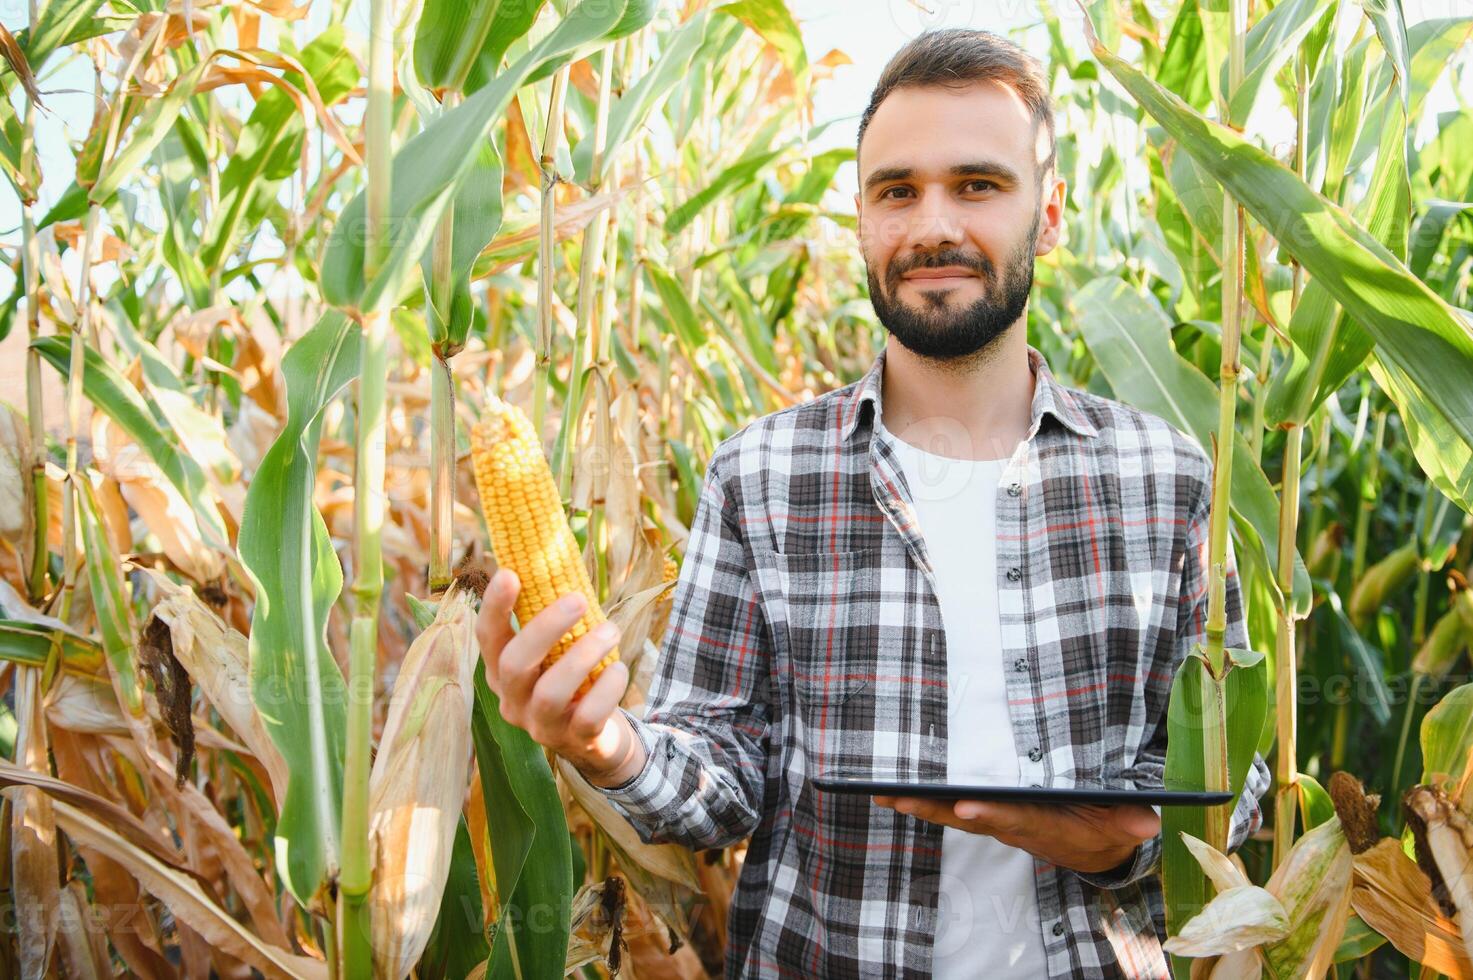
977	263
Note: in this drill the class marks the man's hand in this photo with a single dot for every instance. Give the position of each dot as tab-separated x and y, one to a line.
590	731
1083	838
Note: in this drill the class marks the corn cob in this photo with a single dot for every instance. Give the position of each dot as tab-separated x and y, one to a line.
529	531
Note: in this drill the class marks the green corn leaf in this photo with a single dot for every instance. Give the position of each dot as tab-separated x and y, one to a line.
1447	736
1315	805
11	138
1269	44
1130	338
110	598
458	943
1391	28
60	23
530	846
774	22
1385	210
1367	661
1245	691
147	426
738	174
431	167
682	313
295	682
1183	66
476	218
634	107
269	148
449	36
31	644
1413	327
154	123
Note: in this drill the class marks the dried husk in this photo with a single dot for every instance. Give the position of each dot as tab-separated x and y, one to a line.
34	870
1239	918
218	661
1313	884
1294	923
81	950
1394	898
418	784
1444	838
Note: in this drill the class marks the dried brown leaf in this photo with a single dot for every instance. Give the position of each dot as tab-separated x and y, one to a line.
1394	897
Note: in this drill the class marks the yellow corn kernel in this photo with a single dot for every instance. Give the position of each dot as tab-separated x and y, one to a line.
529	531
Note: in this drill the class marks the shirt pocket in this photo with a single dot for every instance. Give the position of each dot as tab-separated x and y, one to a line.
831	607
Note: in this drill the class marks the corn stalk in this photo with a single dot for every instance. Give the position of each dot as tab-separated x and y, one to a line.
356	877
547	165
1215	740
588	295
1286	667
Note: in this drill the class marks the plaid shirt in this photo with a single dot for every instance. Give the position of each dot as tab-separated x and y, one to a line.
806	634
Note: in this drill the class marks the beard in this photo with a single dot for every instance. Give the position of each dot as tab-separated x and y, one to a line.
943	334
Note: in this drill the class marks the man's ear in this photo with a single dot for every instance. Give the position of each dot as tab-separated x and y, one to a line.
1051	220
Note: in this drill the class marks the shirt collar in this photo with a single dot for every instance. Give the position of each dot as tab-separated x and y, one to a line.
1049	397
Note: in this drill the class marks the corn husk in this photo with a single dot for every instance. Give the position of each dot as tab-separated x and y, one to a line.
1448	638
1292	924
1240	918
1444	838
1380	581
16	514
1394	898
33	861
418	784
217	659
1324	550
1313	884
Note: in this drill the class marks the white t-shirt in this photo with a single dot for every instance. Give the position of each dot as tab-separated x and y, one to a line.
987	923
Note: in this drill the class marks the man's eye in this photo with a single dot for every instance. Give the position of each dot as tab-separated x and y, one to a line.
974	183
886	192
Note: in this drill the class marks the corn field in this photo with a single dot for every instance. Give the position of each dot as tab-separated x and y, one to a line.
305	249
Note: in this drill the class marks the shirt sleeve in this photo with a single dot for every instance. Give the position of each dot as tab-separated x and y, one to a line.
706	724
1192	629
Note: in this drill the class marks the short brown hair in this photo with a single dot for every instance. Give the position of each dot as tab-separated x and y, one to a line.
959	56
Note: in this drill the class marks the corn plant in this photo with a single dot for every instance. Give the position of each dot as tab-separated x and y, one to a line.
305	258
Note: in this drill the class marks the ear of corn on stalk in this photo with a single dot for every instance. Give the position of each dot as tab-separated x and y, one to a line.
1444	838
1447	639
1381	581
1294	922
529	531
418	785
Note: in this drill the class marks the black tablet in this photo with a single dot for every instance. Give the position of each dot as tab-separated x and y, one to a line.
1071	791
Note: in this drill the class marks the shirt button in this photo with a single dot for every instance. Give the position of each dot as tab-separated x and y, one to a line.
1020	664
1014	573
1014	489
1058	928
1035	754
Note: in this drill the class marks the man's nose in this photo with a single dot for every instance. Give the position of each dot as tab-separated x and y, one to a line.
935	223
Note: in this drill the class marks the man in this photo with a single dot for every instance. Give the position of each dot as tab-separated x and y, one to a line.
994	577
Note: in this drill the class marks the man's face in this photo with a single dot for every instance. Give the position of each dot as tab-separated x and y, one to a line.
951	214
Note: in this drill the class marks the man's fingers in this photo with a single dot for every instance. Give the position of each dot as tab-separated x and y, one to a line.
553	693
521	660
493	625
1137	822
